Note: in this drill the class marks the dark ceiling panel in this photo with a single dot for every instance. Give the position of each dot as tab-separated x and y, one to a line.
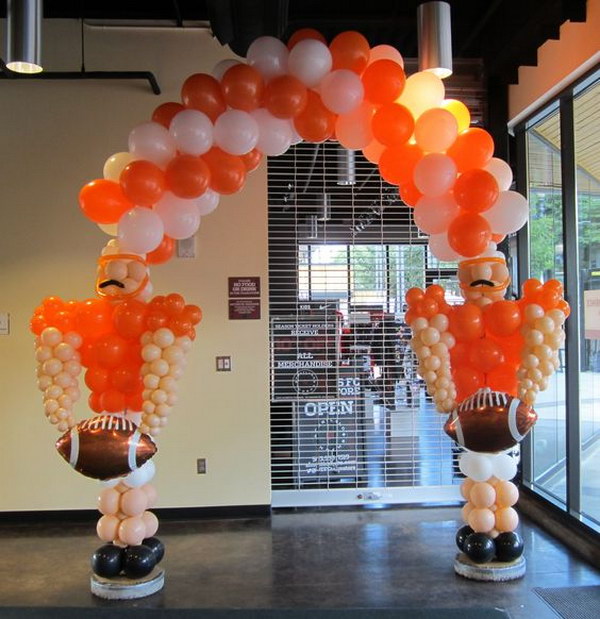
503	33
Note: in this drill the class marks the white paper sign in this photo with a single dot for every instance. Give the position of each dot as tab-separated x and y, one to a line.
591	314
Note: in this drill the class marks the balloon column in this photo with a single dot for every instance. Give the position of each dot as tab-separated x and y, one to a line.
191	152
132	349
483	363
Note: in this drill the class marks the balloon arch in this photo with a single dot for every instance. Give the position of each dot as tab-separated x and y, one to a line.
483	362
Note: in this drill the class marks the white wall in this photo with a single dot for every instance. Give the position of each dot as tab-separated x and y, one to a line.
56	136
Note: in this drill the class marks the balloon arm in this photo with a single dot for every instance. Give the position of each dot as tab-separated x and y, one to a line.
58	368
165	360
544	336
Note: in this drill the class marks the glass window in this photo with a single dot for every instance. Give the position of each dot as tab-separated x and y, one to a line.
546	262
586	109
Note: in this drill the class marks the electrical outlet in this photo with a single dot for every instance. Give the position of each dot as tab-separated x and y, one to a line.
201	466
4	323
186	248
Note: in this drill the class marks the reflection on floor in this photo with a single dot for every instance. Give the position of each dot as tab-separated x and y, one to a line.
396	558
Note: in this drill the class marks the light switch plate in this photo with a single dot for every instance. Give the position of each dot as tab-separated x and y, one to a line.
186	248
223	364
4	323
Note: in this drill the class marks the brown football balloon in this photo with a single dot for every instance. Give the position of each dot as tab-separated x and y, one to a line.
105	447
490	421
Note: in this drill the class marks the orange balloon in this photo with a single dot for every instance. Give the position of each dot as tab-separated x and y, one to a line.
512	346
143	182
485	355
383	81
252	159
435	292
414	295
564	307
467	380
305	33
549	297
466	322
129	318
242	87
94	317
476	190
112	401
498	238
469	234
285	96
409	194
192	313
392	124
227	172
315	123
110	350
187	176
163	253
397	163
103	201
427	307
96	379
473	148
502	318
203	92
94	402
503	378
372	152
350	50
531	287
459	354
126	379
163	114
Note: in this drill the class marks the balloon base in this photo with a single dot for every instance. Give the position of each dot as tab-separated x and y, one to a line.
123	588
495	571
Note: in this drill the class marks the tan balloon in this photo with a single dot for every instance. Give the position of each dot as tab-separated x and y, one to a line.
481	520
108	501
507	519
115	164
151	352
533	337
107	528
430	336
482	495
507	494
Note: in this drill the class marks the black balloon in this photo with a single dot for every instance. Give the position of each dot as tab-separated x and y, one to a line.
157	547
461	536
138	561
107	561
479	547
509	546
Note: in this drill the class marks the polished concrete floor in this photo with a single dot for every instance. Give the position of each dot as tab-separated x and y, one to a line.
392	558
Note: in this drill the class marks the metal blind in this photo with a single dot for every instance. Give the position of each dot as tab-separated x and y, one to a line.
350	420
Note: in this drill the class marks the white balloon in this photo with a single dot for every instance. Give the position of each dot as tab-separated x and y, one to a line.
192	131
221	67
180	217
140	476
310	61
269	56
501	171
115	164
296	137
504	467
236	132
439	247
274	134
207	202
153	142
508	214
433	215
386	52
435	174
476	466
342	91
140	230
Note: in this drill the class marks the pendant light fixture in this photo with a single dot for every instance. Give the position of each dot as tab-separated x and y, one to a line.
435	38
23	36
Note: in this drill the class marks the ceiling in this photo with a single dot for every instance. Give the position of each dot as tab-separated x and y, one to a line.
503	33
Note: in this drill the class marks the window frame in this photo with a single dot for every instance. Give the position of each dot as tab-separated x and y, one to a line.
563	102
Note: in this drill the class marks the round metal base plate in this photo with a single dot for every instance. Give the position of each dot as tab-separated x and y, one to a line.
496	571
123	588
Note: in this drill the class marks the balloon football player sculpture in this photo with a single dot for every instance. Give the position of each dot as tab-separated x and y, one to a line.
483	361
132	348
